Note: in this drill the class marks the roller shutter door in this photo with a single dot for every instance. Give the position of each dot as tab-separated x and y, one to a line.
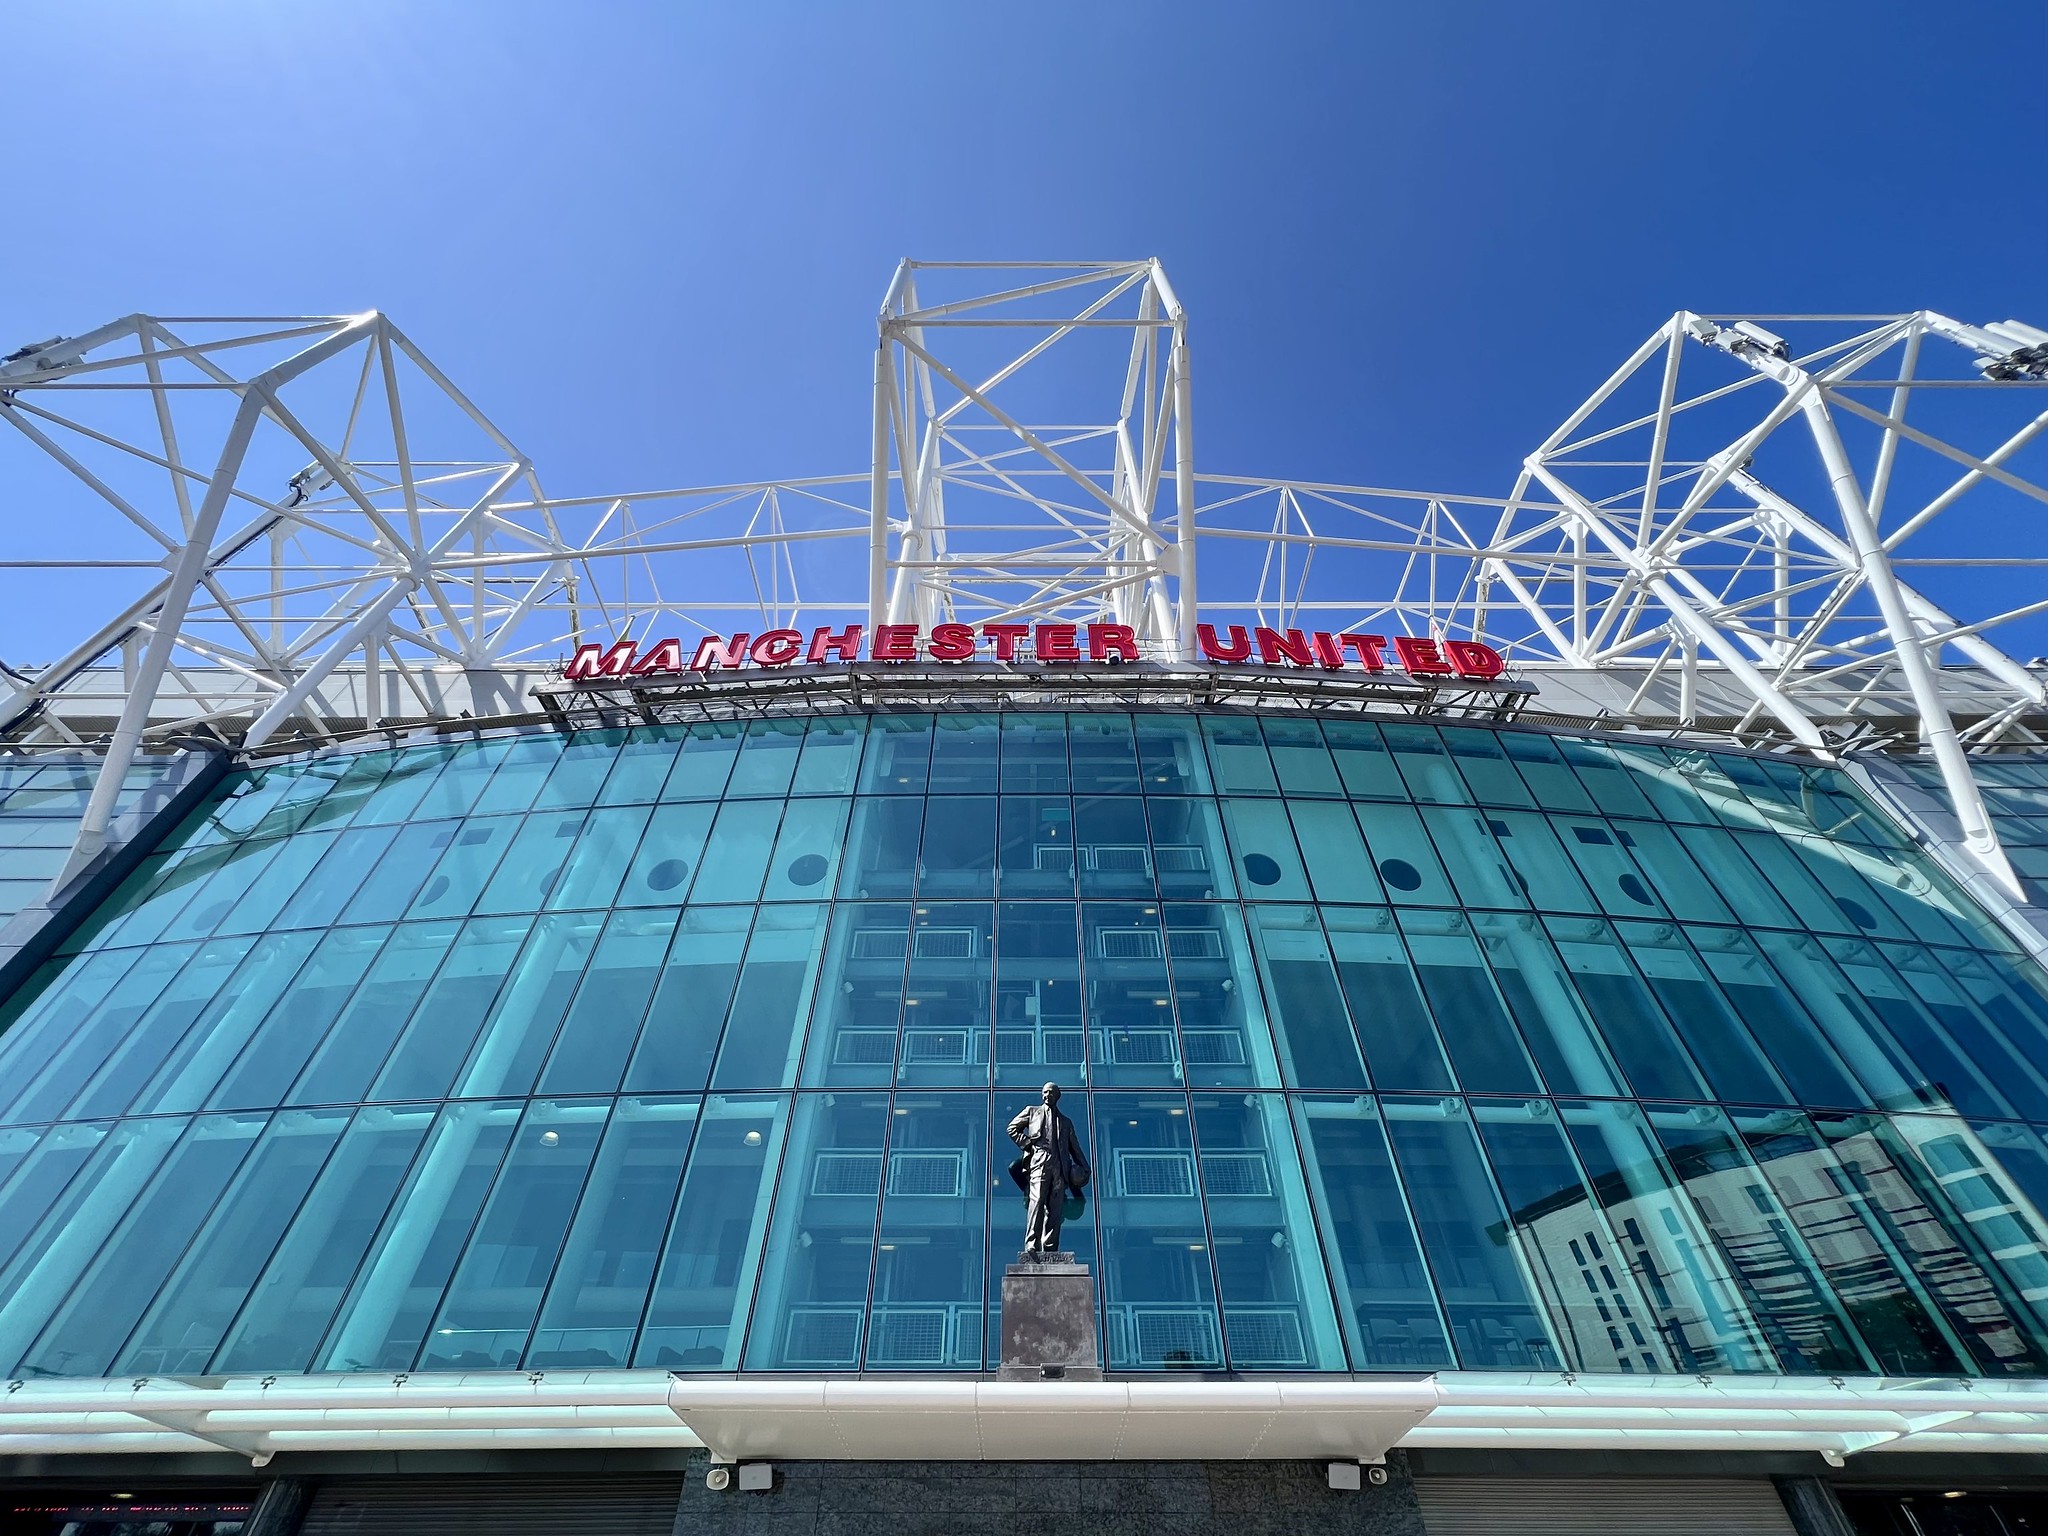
519	1506
1621	1506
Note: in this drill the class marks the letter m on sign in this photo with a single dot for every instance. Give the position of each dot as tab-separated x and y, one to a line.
595	661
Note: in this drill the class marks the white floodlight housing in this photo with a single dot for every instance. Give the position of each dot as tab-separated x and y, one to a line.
1769	341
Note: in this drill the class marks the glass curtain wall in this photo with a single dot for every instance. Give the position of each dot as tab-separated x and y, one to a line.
1395	1046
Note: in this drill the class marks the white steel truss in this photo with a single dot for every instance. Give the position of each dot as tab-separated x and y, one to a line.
1819	534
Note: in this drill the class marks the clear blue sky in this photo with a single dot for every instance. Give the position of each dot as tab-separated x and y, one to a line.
650	238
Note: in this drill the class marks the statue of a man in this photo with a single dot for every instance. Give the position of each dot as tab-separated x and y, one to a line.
1052	1167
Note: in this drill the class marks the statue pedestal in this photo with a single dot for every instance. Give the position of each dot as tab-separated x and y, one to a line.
1049	1321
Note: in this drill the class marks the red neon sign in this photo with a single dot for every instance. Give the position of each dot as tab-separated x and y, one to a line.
1052	644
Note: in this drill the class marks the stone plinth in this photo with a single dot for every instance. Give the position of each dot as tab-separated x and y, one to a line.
1049	1321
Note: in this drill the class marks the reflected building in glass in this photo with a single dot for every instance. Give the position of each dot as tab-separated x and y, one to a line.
1397	1046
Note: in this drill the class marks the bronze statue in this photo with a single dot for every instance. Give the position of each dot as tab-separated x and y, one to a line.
1052	1169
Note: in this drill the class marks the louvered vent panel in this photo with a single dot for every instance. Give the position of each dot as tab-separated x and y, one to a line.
611	1506
1621	1506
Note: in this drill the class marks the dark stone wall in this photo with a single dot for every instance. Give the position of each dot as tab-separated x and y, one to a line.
1160	1498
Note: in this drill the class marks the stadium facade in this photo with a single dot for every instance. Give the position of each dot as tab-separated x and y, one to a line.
511	1002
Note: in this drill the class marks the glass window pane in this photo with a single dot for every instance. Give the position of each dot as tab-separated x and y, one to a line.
487	1316
704	762
1611	785
1317	1047
1719	1040
1338	866
1225	1041
1267	861
1483	762
946	995
601	1285
580	771
1035	846
192	1311
1741	884
684	1021
522	770
349	859
736	856
1495	1322
1158	1286
532	865
964	753
1403	855
882	846
598	859
1671	873
814	1292
1037	1016
1542	867
65	1040
1300	760
668	856
1559	1033
395	1294
1610	874
1237	751
437	1038
640	766
957	856
853	1035
764	1033
805	864
1189	854
931	1249
1424	764
1104	754
1131	1032
768	757
1035	755
1481	1037
831	755
299	1020
1953	1079
1170	756
1277	1314
1388	1309
1363	762
292	1303
345	1063
704	1287
603	1023
467	862
389	888
1544	770
899	755
213	984
1637	1033
1479	868
1114	853
1393	1024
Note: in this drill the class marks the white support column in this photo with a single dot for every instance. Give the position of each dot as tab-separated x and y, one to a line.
370	620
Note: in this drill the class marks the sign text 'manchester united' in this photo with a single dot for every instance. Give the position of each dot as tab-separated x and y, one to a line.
1048	643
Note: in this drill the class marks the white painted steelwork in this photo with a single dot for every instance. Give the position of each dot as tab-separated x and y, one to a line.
301	530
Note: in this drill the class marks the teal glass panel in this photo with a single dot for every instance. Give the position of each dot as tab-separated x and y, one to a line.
854	1029
206	903
1237	755
1316	1044
466	865
522	770
1189	854
1638	1035
437	1038
1484	764
931	1249
580	771
965	751
343	1065
1132	1035
106	1299
1781	1281
190	1313
1425	764
1103	754
1035	847
1560	1034
957	856
899	755
1544	770
1158	1280
1735	876
736	855
1786	1032
1884	1070
1610	874
812	1307
1034	755
603	1023
259	905
527	1010
1039	1030
1697	1304
1268	864
1475	1026
881	846
1114	852
211	984
704	1285
1478	867
704	762
52	1158
1388	1310
52	1023
946	1017
533	862
1363	761
298	1020
830	759
1275	1293
1816	908
680	1036
113	1167
1719	1041
389	888
2002	993
1590	1281
320	900
764	1030
1404	857
1300	760
668	856
1393	1023
597	861
1339	868
1495	1322
641	765
767	759
1669	871
805	864
1170	756
487	1317
383	1320
1606	777
1971	1087
303	1282
601	1283
1225	1039
403	791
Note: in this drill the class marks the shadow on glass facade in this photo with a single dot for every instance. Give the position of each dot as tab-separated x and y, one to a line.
1396	1046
